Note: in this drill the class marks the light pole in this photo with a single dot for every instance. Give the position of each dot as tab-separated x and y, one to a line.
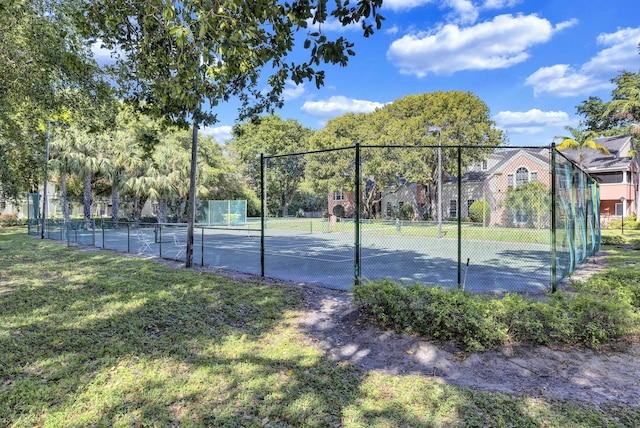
622	212
439	211
46	178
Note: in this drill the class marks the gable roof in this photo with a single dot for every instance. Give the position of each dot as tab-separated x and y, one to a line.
500	159
618	146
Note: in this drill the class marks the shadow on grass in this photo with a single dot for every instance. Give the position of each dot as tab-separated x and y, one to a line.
97	339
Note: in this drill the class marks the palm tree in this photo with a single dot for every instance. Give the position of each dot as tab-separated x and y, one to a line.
626	102
580	139
62	161
88	161
122	157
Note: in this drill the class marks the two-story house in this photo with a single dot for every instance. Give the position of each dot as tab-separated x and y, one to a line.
617	174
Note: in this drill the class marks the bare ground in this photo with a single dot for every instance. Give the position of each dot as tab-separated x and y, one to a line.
608	376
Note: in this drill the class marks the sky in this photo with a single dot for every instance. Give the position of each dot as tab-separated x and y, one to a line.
531	61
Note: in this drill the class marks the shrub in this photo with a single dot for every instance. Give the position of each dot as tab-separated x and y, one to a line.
339	211
612	240
406	212
9	220
595	314
480	212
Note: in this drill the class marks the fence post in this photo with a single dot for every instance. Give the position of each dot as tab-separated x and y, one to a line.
159	226
128	238
554	265
459	218
102	224
357	267
202	246
263	203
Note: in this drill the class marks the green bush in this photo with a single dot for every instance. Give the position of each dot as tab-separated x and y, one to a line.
406	212
8	220
612	240
595	314
628	224
480	212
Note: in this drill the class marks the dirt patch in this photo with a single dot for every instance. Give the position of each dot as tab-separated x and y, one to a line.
609	376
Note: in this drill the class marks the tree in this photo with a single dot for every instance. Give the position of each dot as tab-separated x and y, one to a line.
462	117
596	118
580	139
46	67
272	135
175	56
528	203
625	105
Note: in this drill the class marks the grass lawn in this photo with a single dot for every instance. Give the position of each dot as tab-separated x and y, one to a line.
93	338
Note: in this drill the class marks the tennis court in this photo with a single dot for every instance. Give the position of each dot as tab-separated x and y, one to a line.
306	251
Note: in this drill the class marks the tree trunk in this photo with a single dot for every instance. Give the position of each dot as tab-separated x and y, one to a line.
162	211
63	196
114	204
87	201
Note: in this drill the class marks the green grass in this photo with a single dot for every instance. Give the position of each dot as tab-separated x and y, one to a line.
92	338
429	229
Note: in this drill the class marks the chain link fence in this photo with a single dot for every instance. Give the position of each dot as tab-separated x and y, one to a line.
487	220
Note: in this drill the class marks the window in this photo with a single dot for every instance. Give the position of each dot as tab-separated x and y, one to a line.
522	176
619	209
534	176
453	208
389	209
510	180
469	203
338	196
484	165
609	177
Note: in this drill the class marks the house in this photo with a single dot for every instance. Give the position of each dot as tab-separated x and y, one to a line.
491	179
617	174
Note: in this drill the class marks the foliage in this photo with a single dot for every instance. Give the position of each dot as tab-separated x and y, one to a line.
580	138
592	316
47	72
612	240
403	123
480	212
8	220
272	135
406	212
528	203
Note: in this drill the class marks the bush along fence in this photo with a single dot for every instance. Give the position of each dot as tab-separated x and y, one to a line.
482	219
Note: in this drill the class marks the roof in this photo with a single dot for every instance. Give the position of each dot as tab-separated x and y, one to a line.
500	159
618	146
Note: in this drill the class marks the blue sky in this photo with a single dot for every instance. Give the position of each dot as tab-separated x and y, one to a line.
532	62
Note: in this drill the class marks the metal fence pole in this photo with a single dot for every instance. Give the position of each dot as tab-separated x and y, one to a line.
459	218
160	235
102	223
128	238
263	203
202	246
357	267
554	266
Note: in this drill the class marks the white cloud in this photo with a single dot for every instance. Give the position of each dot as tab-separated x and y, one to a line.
293	91
339	105
392	30
499	4
402	5
464	11
219	133
532	119
101	54
619	53
499	43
